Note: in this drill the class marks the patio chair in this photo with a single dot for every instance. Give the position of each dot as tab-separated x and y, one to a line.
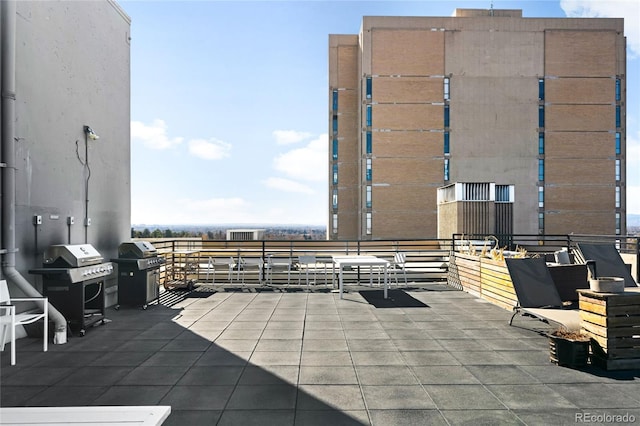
537	294
9	319
275	264
608	259
399	264
246	263
215	262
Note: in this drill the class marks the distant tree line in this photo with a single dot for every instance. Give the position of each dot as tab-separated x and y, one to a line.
274	233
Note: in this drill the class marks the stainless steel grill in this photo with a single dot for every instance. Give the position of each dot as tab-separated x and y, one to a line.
138	263
73	278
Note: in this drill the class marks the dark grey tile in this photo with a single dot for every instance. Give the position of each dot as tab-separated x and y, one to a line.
468	397
255	397
385	375
256	417
444	374
377	358
364	345
480	357
121	359
331	417
132	395
95	376
481	417
592	395
429	358
330	397
397	397
269	375
147	345
192	417
223	358
170	359
418	345
63	359
66	396
327	375
187	345
17	396
153	376
554	374
406	417
36	376
211	375
501	374
197	397
528	396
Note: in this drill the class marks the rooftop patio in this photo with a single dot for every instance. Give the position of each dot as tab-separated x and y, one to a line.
288	355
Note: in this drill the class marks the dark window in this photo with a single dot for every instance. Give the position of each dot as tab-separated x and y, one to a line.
334	148
541	89
541	143
618	144
369	87
541	116
369	144
540	170
446	142
618	89
335	174
618	119
541	221
368	170
335	124
446	116
369	115
335	100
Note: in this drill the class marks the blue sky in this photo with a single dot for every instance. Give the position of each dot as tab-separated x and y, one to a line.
229	102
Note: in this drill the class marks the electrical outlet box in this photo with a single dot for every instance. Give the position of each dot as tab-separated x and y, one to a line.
71	220
37	219
87	222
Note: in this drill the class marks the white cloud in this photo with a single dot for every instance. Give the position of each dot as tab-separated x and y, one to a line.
153	136
212	149
288	137
307	163
288	185
627	9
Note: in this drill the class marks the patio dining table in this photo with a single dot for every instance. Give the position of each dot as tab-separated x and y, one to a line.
360	260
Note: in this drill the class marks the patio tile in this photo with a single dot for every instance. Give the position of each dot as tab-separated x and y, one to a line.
429	358
284	325
233	345
450	397
444	374
132	395
366	334
331	417
273	397
480	357
66	396
211	375
364	345
256	418
482	417
275	358
501	374
95	376
528	396
377	358
326	325
239	358
397	397
324	334
192	417
385	375
121	359
323	375
274	345
270	375
17	396
36	376
330	397
326	358
407	417
418	345
142	345
324	345
243	334
153	376
592	395
169	359
272	333
552	373
197	397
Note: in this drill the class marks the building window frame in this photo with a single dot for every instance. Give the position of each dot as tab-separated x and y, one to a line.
618	170
334	218
369	88
368	170
446	169
335	174
369	115
368	142
447	143
541	196
368	223
541	143
618	197
334	148
368	194
618	143
541	89
334	100
334	199
447	88
541	169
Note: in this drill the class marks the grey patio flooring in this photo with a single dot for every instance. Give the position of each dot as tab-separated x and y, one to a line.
308	358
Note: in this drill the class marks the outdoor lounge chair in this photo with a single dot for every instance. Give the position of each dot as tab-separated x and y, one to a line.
537	294
608	261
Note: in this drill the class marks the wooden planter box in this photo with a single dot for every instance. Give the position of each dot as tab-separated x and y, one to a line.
612	320
483	277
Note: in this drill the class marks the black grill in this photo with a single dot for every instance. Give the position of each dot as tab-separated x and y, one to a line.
138	266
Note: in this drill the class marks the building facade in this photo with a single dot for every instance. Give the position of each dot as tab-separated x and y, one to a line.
485	96
72	69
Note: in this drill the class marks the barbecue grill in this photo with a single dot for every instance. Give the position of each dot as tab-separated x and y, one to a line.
73	278
138	264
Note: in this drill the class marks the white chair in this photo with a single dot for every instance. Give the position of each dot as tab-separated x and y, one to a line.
9	319
214	262
309	262
399	262
251	262
274	264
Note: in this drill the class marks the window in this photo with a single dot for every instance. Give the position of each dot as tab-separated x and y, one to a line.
618	118
368	197
368	220
446	88
446	116
334	148
369	143
335	100
335	223
618	224
334	200
503	194
541	89
618	171
618	197
369	87
541	170
369	116
446	142
618	89
618	143
541	222
541	196
335	174
541	143
541	116
368	172
335	124
446	169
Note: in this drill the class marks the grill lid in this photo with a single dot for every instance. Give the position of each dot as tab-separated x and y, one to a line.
71	256
136	250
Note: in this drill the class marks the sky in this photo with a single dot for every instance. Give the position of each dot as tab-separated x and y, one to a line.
229	102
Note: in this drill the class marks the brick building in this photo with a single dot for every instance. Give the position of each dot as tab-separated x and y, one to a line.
536	105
